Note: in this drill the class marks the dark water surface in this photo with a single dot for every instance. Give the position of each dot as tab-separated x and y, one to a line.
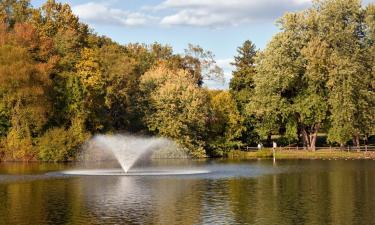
243	192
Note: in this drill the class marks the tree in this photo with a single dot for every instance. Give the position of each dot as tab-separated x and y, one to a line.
341	23
242	86
177	107
284	89
57	22
93	82
122	87
242	83
201	64
368	120
225	123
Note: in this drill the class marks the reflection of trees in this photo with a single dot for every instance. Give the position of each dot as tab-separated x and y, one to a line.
321	193
143	200
40	202
312	192
177	201
242	193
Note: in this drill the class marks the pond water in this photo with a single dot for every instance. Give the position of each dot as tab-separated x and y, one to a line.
233	192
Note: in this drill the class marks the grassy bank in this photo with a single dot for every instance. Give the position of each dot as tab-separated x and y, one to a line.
292	154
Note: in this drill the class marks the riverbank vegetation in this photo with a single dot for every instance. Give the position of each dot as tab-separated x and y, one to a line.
61	83
325	154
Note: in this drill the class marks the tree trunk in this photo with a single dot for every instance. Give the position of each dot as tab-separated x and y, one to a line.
309	136
313	138
305	138
356	142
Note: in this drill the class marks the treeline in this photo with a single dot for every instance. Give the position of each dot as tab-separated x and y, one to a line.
60	83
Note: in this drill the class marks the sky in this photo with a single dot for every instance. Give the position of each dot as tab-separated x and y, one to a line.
217	25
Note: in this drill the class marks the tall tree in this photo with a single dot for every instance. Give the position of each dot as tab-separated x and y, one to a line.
280	82
225	126
176	107
242	83
368	125
56	21
241	86
341	23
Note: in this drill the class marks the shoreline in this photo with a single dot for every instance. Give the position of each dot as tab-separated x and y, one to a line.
302	154
262	154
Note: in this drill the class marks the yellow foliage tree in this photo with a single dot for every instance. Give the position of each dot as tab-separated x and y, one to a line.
176	107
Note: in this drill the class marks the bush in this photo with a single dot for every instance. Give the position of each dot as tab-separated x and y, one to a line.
55	145
222	147
18	145
59	144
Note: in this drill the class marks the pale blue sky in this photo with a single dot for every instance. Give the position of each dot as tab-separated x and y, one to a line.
217	25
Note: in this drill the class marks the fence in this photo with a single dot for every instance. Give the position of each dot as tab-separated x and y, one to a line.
297	148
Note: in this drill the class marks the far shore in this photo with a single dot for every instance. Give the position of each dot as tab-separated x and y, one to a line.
266	153
325	154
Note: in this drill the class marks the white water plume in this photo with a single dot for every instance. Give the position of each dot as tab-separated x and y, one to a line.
126	149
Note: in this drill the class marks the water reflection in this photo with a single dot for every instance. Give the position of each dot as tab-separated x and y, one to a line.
302	192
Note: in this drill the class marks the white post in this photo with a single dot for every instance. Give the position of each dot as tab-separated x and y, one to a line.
274	152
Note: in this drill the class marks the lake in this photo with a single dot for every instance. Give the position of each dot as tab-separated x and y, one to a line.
233	192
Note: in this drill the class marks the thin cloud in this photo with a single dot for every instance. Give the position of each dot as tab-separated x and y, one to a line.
101	13
196	13
218	13
225	64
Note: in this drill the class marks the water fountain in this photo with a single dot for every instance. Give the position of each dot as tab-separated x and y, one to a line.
127	150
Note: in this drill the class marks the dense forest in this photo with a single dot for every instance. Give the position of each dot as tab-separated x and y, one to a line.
61	83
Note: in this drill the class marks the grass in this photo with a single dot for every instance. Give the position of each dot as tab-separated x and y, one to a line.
286	154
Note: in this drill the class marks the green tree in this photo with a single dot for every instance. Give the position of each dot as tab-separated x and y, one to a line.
122	87
368	120
341	24
177	107
57	22
242	83
225	123
285	97
242	87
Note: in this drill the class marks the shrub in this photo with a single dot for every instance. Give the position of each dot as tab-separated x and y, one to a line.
59	144
18	145
54	145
